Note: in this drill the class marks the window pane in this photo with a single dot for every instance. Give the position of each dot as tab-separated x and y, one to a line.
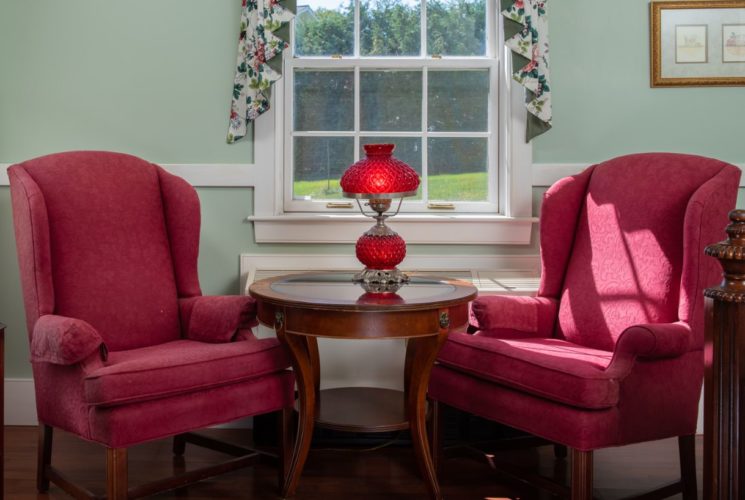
390	28
456	27
458	101
391	101
319	163
457	169
322	29
324	100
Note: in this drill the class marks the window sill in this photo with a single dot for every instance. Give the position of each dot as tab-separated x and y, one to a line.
471	229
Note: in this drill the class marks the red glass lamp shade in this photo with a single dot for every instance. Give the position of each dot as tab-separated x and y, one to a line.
379	174
379	178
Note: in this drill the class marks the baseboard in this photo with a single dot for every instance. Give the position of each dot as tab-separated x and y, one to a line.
20	402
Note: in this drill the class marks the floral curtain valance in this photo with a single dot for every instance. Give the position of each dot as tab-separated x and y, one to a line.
526	35
257	46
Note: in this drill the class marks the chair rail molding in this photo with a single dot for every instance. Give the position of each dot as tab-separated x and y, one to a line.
197	174
246	175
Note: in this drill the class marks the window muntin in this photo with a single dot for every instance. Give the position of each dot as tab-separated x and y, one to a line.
440	109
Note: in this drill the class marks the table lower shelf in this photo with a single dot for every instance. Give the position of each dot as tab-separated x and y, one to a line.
361	409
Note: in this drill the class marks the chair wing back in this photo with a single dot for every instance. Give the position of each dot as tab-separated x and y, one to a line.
631	234
93	232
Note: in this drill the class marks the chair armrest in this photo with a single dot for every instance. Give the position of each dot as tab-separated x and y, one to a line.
216	318
656	340
64	341
500	313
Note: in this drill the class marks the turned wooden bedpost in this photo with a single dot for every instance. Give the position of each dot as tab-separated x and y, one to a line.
724	352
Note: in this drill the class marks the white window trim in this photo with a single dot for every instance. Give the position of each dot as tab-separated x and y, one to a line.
425	63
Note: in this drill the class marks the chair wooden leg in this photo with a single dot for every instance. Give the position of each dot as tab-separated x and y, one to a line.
179	444
581	481
116	473
44	457
436	434
284	433
687	452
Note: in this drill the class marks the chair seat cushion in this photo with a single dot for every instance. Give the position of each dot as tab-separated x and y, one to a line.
546	367
180	366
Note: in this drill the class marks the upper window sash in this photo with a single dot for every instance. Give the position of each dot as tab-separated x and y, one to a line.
490	34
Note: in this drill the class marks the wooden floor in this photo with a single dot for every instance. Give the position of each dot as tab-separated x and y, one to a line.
388	473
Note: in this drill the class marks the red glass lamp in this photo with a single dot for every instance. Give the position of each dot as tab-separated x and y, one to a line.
380	178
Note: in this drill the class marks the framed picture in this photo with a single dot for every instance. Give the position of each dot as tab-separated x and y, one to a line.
697	43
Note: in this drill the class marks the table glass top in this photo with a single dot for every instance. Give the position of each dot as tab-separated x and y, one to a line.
339	288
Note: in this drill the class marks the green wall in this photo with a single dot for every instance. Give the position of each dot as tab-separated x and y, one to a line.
153	79
603	104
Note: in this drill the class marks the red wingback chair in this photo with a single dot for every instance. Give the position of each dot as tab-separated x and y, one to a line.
610	352
124	346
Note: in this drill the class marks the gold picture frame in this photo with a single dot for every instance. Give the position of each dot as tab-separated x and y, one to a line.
697	43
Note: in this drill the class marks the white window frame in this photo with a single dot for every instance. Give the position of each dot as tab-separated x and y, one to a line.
424	63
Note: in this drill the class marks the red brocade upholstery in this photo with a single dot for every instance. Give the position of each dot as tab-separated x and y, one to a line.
107	246
610	352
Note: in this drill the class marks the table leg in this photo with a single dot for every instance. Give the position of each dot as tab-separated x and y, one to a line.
315	361
302	364
421	353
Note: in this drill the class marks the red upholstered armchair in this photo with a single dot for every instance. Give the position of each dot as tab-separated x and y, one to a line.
610	351
124	347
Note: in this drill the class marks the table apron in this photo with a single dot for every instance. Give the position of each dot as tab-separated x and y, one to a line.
362	324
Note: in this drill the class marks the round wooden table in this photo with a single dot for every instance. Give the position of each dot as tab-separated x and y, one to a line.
302	307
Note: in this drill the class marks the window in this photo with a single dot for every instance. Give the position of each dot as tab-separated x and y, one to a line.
345	68
421	74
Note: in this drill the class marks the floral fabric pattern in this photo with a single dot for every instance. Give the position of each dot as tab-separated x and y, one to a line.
526	32
253	76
